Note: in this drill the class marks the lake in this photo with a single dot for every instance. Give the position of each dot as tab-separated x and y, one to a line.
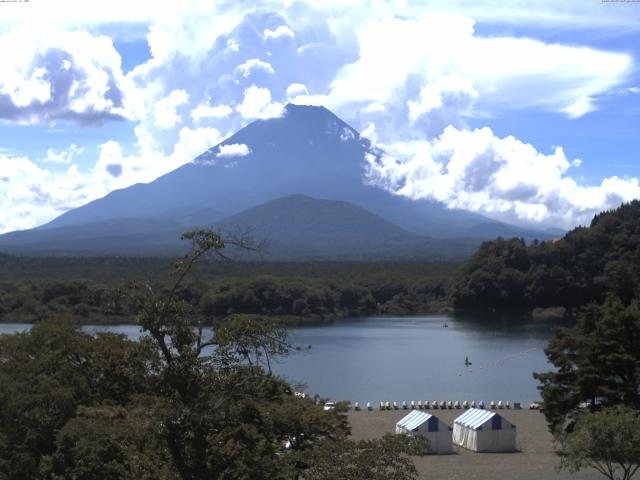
410	358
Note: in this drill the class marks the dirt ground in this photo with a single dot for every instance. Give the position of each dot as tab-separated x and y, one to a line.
535	458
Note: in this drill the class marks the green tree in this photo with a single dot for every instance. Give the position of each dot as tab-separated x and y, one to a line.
495	276
380	459
597	362
46	374
177	404
224	414
109	443
608	441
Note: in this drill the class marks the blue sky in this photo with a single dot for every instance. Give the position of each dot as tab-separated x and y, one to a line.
525	113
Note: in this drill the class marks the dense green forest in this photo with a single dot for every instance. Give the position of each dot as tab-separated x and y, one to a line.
92	290
567	273
580	268
104	407
591	398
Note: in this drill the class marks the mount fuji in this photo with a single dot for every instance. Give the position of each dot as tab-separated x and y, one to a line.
297	181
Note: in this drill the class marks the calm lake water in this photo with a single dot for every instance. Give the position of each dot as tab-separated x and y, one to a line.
410	358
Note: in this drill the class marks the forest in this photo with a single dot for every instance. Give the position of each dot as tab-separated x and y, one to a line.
581	268
73	405
566	274
104	407
96	290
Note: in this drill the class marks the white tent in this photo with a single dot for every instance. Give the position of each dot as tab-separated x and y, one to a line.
484	431
423	423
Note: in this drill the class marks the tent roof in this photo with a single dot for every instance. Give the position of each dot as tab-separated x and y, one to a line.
414	420
474	418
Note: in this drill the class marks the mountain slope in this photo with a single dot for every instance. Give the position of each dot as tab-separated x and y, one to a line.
298	226
307	151
144	237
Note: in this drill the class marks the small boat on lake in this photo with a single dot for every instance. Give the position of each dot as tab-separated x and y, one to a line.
467	362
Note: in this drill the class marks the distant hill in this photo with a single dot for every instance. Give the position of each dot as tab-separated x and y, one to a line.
579	268
298	226
307	151
132	237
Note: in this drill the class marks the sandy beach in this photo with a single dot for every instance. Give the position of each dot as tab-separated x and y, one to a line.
535	458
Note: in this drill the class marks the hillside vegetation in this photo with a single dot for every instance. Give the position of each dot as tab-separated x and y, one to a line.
91	289
578	269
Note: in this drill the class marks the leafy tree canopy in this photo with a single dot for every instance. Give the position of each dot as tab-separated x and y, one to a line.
582	267
175	405
608	441
597	363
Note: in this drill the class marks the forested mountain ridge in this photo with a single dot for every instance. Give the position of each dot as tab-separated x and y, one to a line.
577	269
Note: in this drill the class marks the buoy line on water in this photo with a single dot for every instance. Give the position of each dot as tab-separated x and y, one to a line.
499	363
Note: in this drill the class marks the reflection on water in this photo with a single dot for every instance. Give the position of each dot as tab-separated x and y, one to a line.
410	358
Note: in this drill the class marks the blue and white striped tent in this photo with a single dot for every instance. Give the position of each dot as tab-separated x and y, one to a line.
430	426
484	431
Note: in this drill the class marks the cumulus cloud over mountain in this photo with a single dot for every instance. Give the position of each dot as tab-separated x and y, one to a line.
415	78
502	177
49	76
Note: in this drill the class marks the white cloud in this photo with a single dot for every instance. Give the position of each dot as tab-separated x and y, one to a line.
296	89
347	134
501	177
400	66
47	76
448	59
110	162
166	115
546	13
281	31
31	195
233	150
298	94
253	64
433	95
191	143
233	45
257	104
203	111
62	156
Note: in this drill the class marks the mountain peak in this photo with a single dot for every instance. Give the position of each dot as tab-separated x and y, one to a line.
308	150
294	107
293	112
300	127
